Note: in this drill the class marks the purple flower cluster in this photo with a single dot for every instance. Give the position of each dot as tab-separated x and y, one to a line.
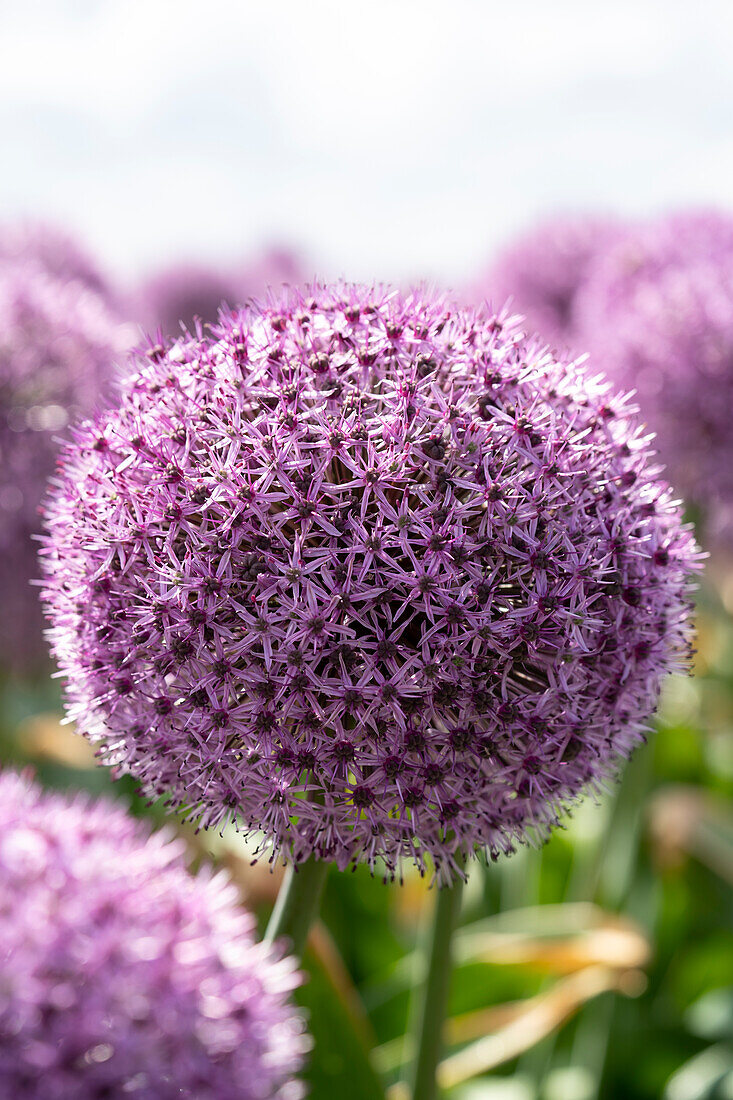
59	254
175	297
59	343
121	974
543	270
657	316
368	573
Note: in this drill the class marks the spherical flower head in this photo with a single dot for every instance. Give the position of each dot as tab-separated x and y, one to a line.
178	296
52	249
543	269
123	975
367	573
657	316
59	343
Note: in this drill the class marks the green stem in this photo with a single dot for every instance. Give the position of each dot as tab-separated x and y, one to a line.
297	903
431	995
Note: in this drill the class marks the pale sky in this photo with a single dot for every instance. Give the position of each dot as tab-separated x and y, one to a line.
385	138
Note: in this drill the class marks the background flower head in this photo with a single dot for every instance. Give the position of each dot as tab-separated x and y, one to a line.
174	297
542	271
366	572
657	315
123	975
54	250
59	345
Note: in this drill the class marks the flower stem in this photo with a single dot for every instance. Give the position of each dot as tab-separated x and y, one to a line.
297	903
431	995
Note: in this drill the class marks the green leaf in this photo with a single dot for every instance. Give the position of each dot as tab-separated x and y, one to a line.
339	1062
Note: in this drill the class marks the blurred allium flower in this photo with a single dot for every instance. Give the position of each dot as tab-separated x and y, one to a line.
174	297
543	270
123	975
657	314
51	248
58	344
370	573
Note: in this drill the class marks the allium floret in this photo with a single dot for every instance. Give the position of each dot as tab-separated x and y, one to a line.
368	573
542	271
123	975
59	343
657	316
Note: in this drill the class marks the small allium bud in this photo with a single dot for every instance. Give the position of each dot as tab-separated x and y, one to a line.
58	346
657	316
543	271
503	616
123	975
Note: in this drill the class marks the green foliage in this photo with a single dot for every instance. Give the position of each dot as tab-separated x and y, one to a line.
340	1064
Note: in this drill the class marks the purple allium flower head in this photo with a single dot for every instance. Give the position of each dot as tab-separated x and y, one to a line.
542	271
367	572
123	975
175	297
657	315
58	344
55	251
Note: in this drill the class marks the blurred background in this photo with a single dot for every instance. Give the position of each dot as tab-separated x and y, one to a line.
230	145
392	141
